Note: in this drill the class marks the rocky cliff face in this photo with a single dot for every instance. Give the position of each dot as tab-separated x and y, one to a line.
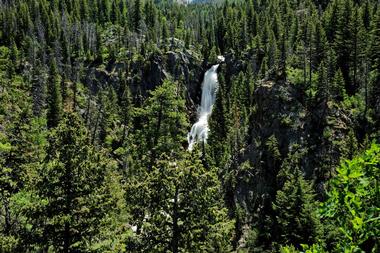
144	75
316	130
284	119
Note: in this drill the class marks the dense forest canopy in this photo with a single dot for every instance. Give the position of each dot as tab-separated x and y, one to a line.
97	98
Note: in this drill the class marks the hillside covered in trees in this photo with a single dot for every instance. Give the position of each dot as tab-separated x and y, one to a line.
97	98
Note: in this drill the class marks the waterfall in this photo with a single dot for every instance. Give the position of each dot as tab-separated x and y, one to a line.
199	131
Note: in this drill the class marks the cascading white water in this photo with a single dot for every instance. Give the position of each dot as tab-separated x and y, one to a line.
199	131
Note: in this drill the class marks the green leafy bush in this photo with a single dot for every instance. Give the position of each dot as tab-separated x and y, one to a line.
352	206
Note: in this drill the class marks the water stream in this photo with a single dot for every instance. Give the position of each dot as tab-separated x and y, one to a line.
199	131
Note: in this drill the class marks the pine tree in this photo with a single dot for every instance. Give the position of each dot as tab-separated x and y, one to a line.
137	15
239	102
109	112
212	57
344	45
165	30
218	127
366	15
374	50
282	55
150	14
70	189
332	13
38	90
126	105
319	41
55	107
252	20
323	89
115	13
337	86
184	211
20	155
164	123
294	206
13	57
358	37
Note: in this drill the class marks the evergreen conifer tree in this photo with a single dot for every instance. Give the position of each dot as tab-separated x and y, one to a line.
55	106
70	189
294	206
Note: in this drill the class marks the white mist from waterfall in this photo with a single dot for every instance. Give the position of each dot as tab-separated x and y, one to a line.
199	131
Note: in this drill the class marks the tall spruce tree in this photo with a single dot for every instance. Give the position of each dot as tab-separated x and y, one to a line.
294	206
55	106
184	210
375	67
344	44
163	123
71	193
137	15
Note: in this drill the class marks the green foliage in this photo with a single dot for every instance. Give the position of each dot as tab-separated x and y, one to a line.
212	58
55	105
353	203
70	190
288	249
315	248
162	121
337	86
295	207
295	76
137	15
272	146
182	209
